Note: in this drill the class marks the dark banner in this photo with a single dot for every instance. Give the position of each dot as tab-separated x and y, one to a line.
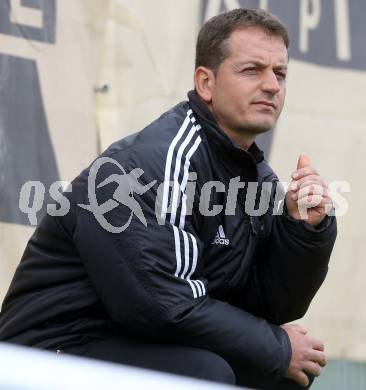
26	152
326	32
11	22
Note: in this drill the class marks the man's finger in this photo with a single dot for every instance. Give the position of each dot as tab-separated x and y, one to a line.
303	172
313	179
318	357
317	344
312	368
301	378
303	161
309	201
311	189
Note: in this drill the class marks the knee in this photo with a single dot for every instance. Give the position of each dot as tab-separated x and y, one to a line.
213	367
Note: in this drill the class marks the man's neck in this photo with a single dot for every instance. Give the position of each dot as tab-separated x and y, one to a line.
244	141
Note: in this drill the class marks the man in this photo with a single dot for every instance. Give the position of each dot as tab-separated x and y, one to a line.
186	281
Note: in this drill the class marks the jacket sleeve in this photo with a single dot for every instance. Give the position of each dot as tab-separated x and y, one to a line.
290	268
149	279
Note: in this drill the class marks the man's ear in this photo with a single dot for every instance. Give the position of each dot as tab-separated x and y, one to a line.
204	81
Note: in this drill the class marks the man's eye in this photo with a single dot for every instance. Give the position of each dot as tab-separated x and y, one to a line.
281	76
251	70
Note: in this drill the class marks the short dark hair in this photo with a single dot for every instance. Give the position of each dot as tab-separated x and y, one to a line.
212	47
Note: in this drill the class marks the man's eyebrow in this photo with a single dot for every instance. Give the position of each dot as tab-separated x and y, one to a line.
259	63
250	62
281	67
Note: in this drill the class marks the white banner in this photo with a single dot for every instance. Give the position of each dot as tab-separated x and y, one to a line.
49	62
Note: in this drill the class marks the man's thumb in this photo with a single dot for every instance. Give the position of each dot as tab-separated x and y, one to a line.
304	161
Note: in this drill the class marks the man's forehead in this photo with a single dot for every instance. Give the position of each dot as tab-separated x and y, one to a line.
257	45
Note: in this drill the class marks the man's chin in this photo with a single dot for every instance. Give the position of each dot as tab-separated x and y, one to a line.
262	127
256	127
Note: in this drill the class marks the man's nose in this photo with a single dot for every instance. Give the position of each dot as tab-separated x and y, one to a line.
270	83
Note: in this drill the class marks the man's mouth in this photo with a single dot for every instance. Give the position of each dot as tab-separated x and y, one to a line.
265	103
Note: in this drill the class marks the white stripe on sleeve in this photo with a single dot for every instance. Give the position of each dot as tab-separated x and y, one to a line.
168	163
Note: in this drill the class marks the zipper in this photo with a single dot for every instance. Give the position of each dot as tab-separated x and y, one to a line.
249	218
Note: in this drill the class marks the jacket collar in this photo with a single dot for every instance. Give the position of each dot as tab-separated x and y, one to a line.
217	135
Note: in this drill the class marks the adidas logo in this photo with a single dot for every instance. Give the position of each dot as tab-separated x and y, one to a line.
220	238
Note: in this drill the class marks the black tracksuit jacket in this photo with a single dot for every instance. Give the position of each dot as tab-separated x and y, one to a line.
222	283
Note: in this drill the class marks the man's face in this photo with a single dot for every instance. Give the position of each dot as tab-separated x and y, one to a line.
249	89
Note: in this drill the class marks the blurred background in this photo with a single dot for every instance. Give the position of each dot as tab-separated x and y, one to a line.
77	75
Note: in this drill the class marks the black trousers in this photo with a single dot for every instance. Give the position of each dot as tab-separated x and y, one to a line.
174	359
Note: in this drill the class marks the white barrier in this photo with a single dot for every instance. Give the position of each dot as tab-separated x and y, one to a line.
30	369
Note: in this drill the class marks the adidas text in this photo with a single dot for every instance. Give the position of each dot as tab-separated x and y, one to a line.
221	241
